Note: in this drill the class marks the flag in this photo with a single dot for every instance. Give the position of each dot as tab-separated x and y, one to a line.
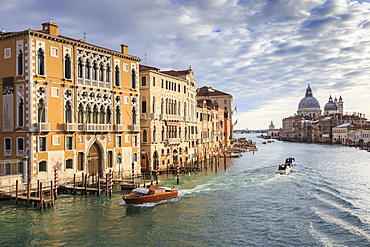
236	121
235	109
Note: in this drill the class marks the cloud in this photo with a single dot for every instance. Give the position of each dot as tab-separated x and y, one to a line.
263	52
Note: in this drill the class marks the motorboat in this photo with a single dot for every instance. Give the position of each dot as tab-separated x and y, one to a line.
150	194
233	155
284	169
287	167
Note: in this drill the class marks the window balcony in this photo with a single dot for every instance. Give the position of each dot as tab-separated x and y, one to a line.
134	128
42	127
95	127
70	127
172	141
119	127
144	116
154	116
163	117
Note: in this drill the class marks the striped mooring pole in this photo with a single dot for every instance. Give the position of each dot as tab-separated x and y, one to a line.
56	182
133	172
110	182
157	170
178	173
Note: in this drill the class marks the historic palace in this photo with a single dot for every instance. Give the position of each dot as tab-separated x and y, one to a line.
83	109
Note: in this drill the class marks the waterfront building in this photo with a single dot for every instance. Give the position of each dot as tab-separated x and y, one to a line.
211	138
272	131
167	119
340	133
66	105
224	101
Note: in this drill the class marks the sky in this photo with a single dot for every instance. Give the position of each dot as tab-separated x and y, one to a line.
263	52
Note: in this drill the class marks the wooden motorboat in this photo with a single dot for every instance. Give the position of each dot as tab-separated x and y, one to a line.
151	194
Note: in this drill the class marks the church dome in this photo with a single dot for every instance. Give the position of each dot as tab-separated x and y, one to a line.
309	101
330	106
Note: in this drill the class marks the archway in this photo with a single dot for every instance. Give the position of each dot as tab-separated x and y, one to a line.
95	164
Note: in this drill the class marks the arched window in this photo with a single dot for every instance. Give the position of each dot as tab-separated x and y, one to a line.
101	72
79	68
133	79
163	134
145	136
40	62
107	73
102	115
134	157
109	116
179	109
133	116
95	72
154	134
80	114
41	112
20	112
117	75
20	62
87	70
67	67
88	114
68	112
118	115
95	114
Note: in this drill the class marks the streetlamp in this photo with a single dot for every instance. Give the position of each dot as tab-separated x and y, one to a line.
119	161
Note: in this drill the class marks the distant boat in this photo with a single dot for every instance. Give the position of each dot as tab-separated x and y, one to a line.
233	155
151	194
287	167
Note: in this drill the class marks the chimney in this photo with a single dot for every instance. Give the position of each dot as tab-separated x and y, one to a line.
124	49
50	28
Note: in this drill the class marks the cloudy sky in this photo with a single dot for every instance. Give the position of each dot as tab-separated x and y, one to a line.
262	52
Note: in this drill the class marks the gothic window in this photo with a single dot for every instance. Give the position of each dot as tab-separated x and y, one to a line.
118	115
87	70
88	114
95	72
102	115
145	136
109	116
133	116
101	72
67	67
107	74
8	146
79	68
133	79
162	106
68	112
80	114
20	62
41	112
163	134
95	114
117	75
20	113
154	134
40	62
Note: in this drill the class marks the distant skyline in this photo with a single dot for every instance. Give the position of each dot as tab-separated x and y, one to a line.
264	52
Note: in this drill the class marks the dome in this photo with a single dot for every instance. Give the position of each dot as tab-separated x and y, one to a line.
309	102
330	106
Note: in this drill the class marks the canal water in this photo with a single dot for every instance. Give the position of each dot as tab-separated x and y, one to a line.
324	202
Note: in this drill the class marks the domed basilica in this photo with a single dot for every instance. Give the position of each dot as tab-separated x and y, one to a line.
309	106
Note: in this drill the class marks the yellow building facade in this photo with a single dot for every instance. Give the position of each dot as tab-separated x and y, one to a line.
66	105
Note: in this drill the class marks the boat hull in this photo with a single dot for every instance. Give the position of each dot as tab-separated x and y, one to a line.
149	198
286	171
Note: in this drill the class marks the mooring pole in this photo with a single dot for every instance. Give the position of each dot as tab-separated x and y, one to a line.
156	170
178	173
56	180
110	182
16	192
